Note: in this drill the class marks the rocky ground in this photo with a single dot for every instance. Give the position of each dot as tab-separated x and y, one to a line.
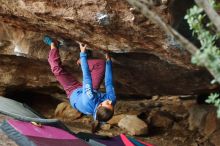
4	140
163	121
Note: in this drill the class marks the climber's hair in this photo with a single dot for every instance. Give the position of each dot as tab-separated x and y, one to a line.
103	114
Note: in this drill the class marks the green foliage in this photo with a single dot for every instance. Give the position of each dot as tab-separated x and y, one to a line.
217	6
214	99
209	54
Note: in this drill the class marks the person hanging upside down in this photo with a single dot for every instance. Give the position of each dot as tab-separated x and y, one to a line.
85	97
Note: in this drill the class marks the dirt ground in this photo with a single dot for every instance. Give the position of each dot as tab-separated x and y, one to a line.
175	135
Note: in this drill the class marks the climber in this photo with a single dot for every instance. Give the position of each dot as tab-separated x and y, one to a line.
85	97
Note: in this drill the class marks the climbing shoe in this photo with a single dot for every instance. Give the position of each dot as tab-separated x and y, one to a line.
48	40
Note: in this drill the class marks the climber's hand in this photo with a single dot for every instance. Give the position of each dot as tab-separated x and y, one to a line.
107	56
82	47
78	62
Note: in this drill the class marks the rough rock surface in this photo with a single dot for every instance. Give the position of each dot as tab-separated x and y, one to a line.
197	116
145	60
211	123
215	138
204	119
115	119
64	111
133	125
161	120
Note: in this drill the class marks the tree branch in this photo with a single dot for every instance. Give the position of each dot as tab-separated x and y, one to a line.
212	14
144	8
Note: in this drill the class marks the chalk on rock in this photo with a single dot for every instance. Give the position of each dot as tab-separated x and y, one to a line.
103	18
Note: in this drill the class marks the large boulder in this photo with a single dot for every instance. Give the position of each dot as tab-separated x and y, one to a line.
197	116
161	119
204	119
146	61
133	125
115	119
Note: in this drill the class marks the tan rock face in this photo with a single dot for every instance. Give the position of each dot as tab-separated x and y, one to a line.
144	64
133	125
115	119
65	112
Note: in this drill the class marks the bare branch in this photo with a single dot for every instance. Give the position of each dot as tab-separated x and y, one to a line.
144	8
212	14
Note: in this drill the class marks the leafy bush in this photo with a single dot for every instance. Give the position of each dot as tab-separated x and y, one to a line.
214	99
209	54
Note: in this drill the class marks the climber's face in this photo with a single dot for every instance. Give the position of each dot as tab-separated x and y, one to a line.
107	104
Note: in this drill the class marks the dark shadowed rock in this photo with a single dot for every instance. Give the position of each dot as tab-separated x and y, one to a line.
204	119
211	123
197	115
160	119
214	139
